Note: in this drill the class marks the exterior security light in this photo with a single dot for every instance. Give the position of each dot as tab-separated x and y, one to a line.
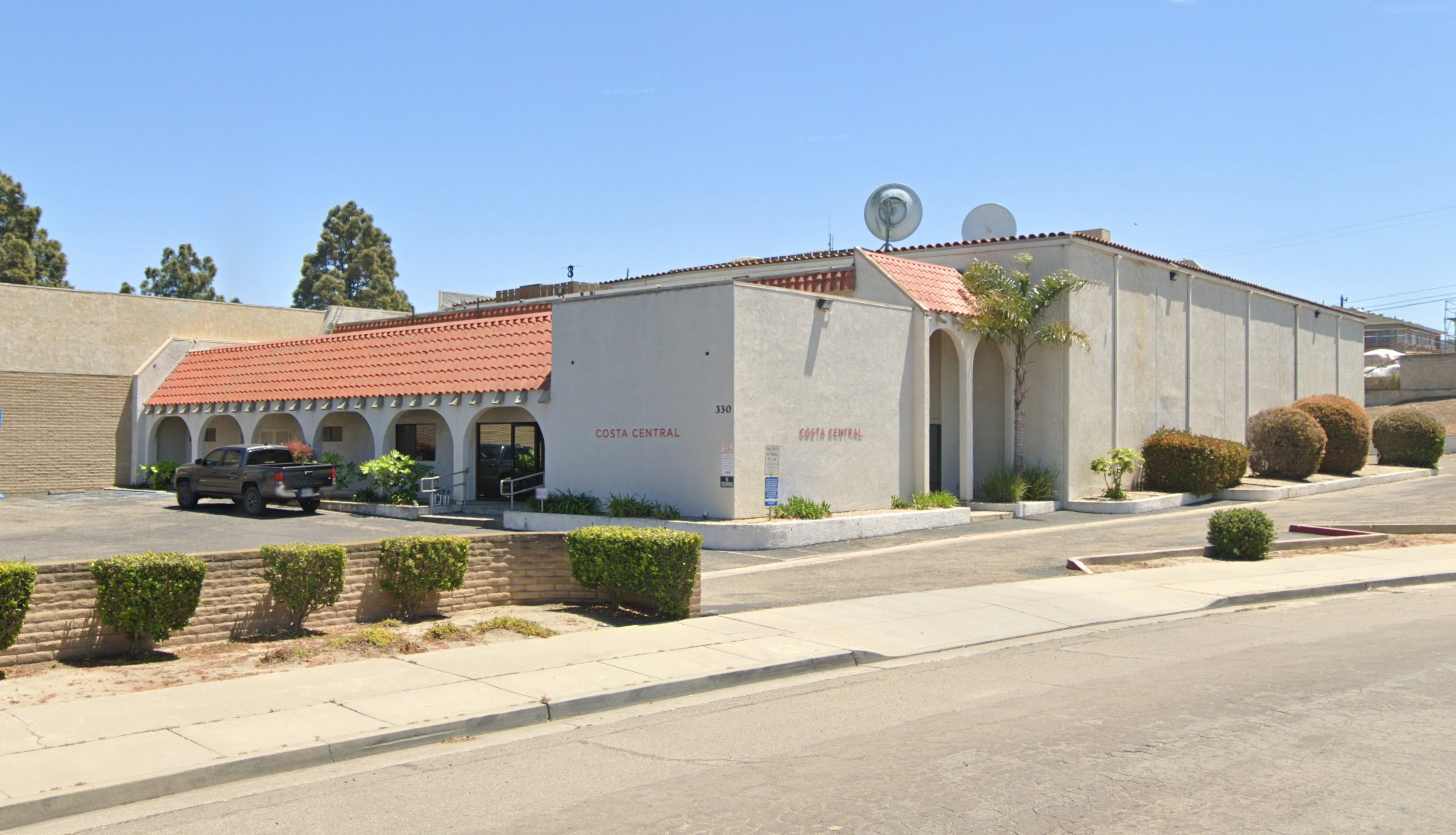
823	305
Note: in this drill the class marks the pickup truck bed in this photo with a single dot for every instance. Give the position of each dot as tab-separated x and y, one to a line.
252	477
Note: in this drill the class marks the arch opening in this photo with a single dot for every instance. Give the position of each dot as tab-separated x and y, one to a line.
172	441
507	443
219	430
277	428
945	414
988	399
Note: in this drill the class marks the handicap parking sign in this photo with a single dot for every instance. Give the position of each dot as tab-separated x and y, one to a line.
771	491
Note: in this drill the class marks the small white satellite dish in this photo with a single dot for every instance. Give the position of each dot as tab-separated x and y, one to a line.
988	220
892	213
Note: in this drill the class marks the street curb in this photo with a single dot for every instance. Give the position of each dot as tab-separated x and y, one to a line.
91	799
1205	551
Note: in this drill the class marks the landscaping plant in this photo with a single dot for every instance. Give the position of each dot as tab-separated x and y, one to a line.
934	500
1285	442
148	596
1113	466
1010	310
1003	486
17	584
1347	431
1175	461
635	507
1041	483
413	567
304	578
1241	534
396	479
345	472
1408	437
565	501
659	564
798	507
302	453
159	475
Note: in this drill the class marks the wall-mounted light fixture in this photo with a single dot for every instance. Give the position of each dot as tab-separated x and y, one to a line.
1316	314
823	305
1172	276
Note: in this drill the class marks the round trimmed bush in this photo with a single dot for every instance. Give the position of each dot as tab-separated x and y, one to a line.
148	596
1347	431
304	578
1408	437
413	567
1175	461
1285	442
658	564
1240	534
17	584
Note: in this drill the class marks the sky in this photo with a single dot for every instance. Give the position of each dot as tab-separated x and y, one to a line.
1304	146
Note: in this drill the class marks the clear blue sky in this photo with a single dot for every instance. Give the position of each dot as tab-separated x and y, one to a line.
498	143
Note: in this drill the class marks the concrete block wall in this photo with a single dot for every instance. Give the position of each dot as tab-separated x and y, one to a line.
505	569
62	431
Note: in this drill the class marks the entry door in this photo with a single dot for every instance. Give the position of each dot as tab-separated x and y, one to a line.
934	457
505	450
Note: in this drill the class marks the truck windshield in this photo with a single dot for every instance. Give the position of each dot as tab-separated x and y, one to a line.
270	456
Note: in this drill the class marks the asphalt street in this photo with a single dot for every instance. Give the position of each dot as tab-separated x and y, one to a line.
1332	715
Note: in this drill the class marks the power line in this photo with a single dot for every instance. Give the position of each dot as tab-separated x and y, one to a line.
1406	293
1251	247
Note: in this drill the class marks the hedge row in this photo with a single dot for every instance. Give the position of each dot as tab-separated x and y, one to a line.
1175	461
656	563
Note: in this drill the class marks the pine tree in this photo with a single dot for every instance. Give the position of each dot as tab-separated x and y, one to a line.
182	275
27	253
352	266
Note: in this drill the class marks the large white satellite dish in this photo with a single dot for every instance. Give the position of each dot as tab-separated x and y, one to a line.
893	212
988	220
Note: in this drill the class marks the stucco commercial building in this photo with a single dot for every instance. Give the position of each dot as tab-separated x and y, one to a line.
846	375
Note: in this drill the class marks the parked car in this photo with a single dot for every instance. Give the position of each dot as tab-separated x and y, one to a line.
253	477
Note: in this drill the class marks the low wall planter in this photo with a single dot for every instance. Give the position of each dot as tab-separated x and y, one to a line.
389	511
1020	510
1147	505
1274	494
758	536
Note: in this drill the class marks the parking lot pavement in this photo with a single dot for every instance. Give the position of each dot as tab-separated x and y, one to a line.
104	523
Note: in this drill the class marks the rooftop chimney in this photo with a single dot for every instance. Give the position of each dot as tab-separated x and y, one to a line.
1099	234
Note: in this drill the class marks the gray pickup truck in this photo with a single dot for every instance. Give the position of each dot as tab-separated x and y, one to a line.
253	477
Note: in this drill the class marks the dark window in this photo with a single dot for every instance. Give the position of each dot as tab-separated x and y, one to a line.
214	458
270	456
333	434
230	457
417	440
209	435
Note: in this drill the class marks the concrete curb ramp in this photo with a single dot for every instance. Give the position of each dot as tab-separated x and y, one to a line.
60	759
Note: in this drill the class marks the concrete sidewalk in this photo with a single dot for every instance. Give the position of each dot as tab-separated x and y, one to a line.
64	758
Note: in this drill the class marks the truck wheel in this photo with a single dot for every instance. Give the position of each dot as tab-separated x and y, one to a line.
252	501
186	496
309	505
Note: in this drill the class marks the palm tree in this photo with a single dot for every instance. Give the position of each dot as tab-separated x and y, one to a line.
1009	310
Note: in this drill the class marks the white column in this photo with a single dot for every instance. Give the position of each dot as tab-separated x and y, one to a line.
1116	331
920	400
1188	356
969	343
1296	352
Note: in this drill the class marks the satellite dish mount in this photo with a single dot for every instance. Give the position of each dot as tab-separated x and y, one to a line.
892	213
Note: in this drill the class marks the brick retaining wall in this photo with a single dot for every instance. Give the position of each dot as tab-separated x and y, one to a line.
504	569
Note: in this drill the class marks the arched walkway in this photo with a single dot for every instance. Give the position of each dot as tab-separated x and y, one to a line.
945	414
219	430
423	435
172	441
988	399
506	442
277	428
346	433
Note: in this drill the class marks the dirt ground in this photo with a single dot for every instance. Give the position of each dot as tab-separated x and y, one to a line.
63	681
1442	410
1395	541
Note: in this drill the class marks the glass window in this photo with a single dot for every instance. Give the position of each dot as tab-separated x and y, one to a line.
214	458
417	440
230	457
270	456
333	434
209	435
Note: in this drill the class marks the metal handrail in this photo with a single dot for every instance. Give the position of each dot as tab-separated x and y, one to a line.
508	485
437	492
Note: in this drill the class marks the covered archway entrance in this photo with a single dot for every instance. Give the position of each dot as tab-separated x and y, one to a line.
173	441
988	399
277	428
508	444
219	430
945	414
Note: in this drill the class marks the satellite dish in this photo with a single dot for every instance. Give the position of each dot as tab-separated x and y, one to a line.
892	213
988	220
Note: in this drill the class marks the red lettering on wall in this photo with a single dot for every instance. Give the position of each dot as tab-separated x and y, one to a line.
836	433
640	432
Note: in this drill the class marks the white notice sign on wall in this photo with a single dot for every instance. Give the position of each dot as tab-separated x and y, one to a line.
771	460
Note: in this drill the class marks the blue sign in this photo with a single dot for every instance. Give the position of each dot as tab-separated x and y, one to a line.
771	491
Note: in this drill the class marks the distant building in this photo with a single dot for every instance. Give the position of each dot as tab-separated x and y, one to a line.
1403	336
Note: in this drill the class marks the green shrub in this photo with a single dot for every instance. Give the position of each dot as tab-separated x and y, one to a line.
345	472
412	567
565	501
159	475
1182	462
897	503
1347	431
17	583
1041	483
937	499
1409	437
396	479
638	507
798	507
1113	466
657	563
148	596
1003	486
1240	534
304	578
1285	442
510	623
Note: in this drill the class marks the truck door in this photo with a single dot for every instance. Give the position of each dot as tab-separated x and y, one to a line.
230	473
207	472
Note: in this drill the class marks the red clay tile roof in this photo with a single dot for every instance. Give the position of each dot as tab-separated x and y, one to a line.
490	353
933	286
830	281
